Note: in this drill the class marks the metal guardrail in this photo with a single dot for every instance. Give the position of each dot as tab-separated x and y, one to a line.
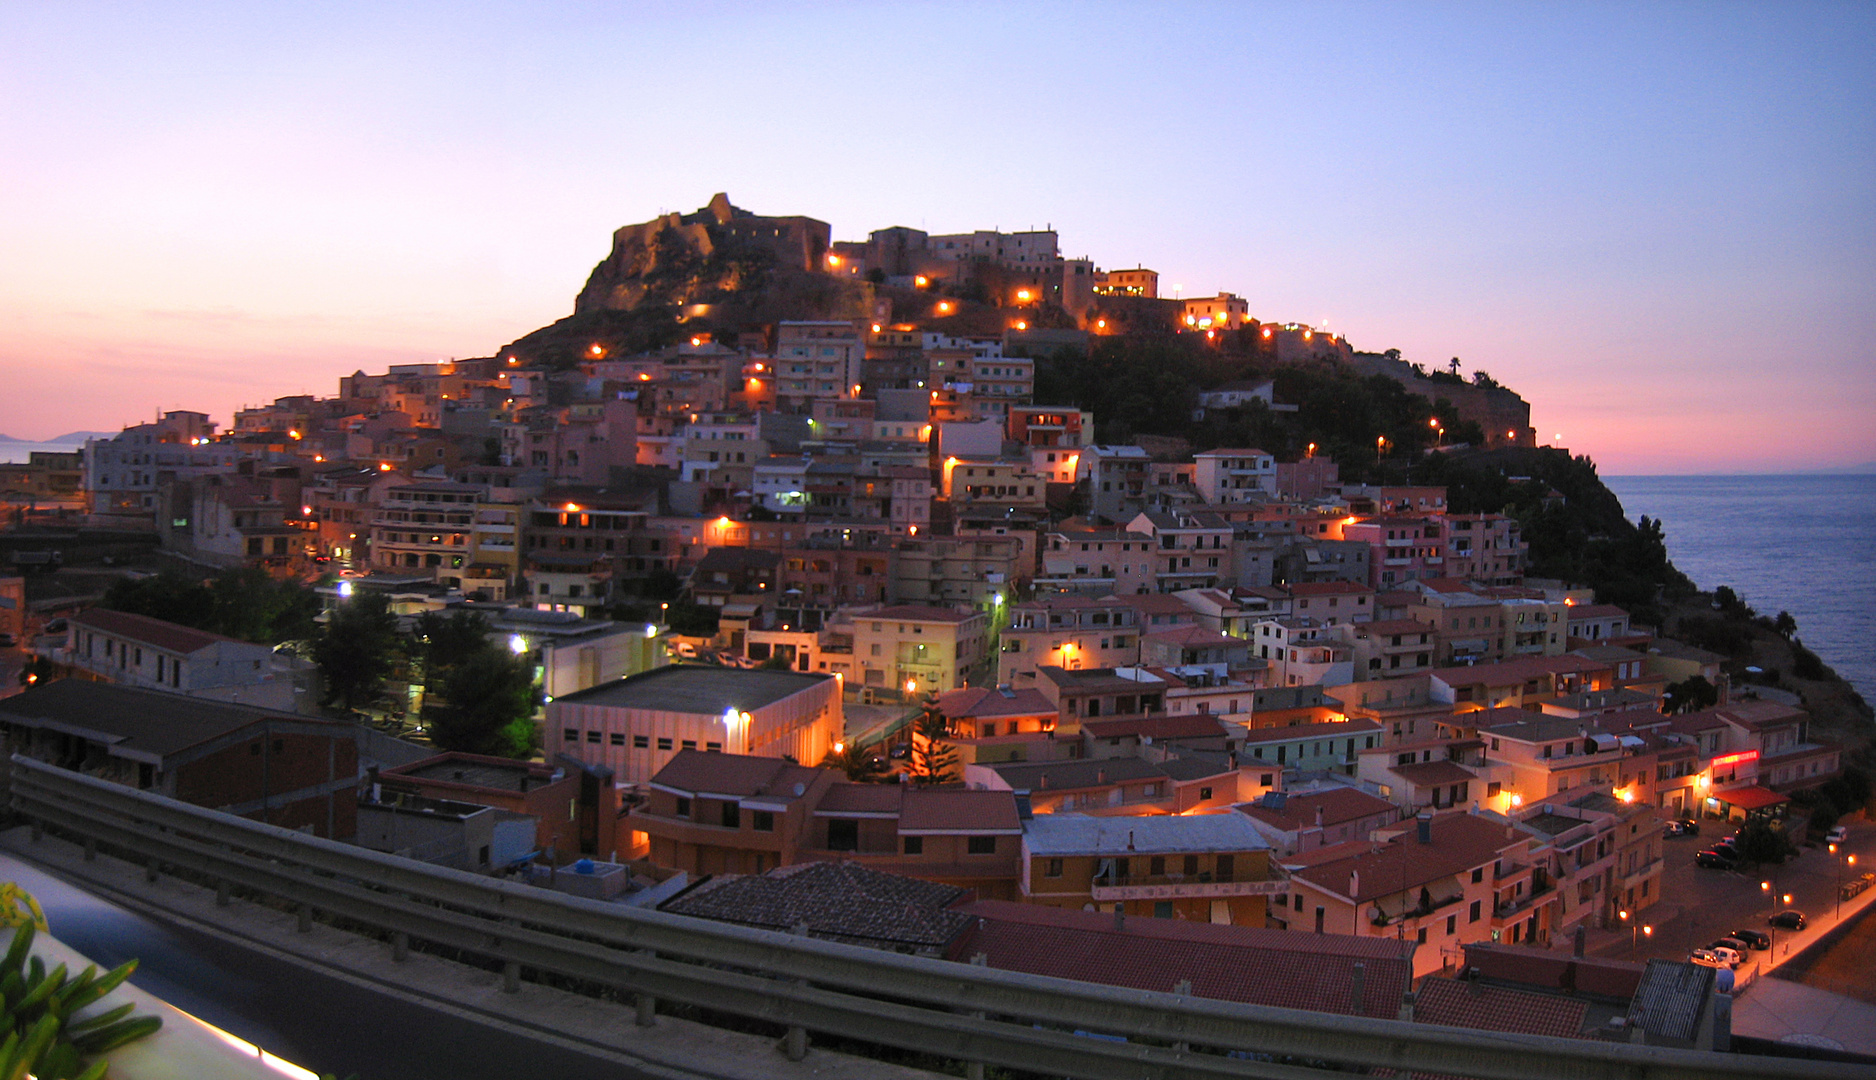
965	1012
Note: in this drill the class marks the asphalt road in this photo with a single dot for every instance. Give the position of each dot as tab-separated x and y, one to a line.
1698	906
303	1015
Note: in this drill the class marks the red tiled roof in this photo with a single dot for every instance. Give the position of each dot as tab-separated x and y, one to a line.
1759	715
983	701
1293	971
942	811
167	636
1752	797
1338	805
1507	672
1193	635
1460	842
1327	588
699	772
1498	1008
1426	773
1595	611
860	799
1327	729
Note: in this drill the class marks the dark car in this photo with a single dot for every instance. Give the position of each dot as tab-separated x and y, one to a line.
1736	944
1674	828
1691	826
1726	848
1789	920
1758	939
1713	860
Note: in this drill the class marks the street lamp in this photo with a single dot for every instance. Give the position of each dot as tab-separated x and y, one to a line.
1849	859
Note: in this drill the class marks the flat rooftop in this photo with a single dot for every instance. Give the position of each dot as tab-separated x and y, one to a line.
698	688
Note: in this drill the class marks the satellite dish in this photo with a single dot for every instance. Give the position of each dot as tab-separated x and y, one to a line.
800	789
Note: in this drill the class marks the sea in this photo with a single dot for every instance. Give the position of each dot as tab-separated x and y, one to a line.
18	453
1802	544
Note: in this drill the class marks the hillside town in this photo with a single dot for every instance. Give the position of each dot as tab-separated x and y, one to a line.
835	623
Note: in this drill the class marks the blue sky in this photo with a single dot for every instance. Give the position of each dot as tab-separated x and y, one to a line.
1657	222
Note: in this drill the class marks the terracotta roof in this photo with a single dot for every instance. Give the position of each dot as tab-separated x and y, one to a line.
1752	797
1460	843
1192	726
945	811
984	701
1759	715
1431	773
703	772
142	629
1078	775
1157	602
1293	971
860	799
1595	611
1328	729
1193	635
843	901
1498	1008
1299	811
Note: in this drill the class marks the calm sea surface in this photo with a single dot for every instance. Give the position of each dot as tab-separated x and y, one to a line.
19	452
1803	544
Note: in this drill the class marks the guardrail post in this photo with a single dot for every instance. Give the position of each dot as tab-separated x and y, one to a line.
400	946
221	892
38	832
511	977
149	869
306	918
974	1070
1184	989
91	849
795	1043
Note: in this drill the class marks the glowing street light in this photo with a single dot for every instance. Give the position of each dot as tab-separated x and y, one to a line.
517	644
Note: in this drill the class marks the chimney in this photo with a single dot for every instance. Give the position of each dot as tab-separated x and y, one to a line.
1129	839
1576	949
1100	776
1356	1002
1318	815
1424	832
1354	885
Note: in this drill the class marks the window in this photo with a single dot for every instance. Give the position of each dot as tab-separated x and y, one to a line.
713	747
843	834
914	845
981	845
1473	916
664	742
1224	867
762	820
1452	924
690	744
571	735
683	806
732	816
641	742
1052	868
1191	865
1205	794
1156	866
595	736
618	738
1162	909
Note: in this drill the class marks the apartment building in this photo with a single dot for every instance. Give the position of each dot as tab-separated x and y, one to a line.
1211	868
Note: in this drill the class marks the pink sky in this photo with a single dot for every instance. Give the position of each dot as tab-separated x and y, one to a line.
1655	224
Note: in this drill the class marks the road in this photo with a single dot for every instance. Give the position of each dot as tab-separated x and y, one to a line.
298	1013
1698	906
1840	965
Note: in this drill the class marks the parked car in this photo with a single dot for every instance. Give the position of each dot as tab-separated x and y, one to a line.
1788	920
1675	828
1727	954
1713	860
1726	848
1758	939
1837	835
1692	825
1706	958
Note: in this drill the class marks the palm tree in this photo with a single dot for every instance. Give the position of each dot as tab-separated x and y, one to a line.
861	766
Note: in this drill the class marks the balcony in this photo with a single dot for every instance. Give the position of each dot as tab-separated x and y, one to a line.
1641	874
1171	886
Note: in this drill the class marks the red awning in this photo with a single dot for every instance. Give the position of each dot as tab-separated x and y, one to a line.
1750	798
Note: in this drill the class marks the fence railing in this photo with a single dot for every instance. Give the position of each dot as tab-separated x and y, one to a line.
964	1012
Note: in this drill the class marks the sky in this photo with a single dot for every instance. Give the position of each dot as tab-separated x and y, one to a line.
1657	222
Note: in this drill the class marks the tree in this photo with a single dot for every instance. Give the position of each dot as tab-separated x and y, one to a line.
1760	843
1785	624
442	641
243	602
357	650
860	766
1690	695
488	706
934	759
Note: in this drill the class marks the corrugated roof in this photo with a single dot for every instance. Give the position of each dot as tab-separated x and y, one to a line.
1080	834
1668	1003
134	721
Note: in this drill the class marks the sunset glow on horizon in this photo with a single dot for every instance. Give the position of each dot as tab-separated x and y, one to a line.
1656	224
